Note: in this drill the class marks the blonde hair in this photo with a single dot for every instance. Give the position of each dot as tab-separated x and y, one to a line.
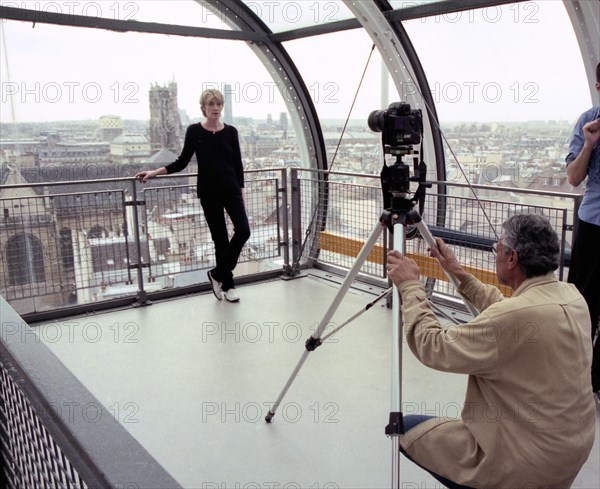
209	94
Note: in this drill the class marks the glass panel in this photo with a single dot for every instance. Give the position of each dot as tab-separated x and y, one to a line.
177	12
285	16
53	78
332	76
80	104
513	62
508	83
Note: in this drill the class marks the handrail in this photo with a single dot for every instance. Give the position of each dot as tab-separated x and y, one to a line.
64	183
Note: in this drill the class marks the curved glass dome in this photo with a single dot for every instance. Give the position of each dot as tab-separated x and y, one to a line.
288	16
306	65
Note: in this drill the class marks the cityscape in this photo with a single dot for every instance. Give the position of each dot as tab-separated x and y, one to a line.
89	225
516	154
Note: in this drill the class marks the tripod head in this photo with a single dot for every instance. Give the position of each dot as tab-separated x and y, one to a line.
401	129
395	184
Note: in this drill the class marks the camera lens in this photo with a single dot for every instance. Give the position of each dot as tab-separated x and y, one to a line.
376	120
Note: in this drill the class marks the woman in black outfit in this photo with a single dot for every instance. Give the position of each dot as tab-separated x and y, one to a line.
220	184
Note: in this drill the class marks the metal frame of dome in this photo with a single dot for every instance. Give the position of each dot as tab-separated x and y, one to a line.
267	45
404	66
585	18
380	21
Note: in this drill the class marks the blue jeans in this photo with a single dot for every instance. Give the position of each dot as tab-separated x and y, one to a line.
409	422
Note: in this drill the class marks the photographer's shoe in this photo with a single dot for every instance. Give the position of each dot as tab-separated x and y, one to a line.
231	295
216	285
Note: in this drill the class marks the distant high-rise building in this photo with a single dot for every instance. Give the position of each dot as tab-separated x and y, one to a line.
165	122
228	109
283	122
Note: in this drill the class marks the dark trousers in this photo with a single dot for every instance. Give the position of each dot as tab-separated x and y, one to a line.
584	273
227	252
410	421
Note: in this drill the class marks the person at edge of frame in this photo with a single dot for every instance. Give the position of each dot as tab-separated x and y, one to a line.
219	188
529	412
583	161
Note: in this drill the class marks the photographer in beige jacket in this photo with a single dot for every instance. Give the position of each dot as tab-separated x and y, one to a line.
528	419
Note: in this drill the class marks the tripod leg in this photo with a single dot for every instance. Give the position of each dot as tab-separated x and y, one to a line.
315	340
346	284
430	240
271	413
365	309
394	429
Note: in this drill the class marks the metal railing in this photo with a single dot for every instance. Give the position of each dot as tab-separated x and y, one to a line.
69	247
333	227
75	246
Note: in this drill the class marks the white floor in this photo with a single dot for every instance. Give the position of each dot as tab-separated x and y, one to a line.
193	378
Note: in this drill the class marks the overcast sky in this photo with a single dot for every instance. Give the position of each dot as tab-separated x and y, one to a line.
510	63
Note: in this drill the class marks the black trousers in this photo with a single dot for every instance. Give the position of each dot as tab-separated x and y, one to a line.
584	273
227	252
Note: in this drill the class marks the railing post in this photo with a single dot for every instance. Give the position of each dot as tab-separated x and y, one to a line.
285	225
142	298
573	228
296	213
563	246
576	204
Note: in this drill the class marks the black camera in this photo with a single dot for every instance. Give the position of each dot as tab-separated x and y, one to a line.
400	126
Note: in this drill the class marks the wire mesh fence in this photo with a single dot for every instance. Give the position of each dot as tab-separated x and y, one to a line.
75	244
31	456
352	206
345	210
62	248
177	237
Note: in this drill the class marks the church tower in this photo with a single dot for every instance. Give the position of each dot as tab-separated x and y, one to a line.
165	122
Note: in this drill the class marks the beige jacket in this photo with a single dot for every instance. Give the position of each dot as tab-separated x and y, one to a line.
528	419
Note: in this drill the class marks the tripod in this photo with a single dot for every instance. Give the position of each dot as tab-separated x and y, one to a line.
400	214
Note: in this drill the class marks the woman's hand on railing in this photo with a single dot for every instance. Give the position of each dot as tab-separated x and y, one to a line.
146	175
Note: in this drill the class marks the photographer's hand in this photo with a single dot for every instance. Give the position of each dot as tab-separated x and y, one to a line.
400	268
442	252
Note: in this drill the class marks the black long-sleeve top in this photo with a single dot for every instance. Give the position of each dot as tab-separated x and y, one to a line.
220	168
